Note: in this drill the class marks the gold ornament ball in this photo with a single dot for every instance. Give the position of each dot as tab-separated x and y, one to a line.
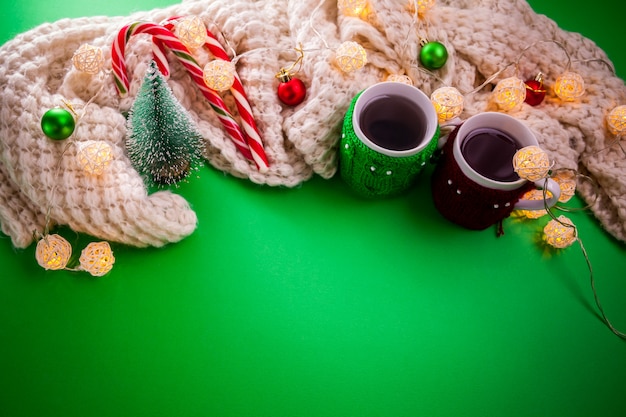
53	252
97	258
448	102
353	8
88	59
616	121
191	31
94	156
560	233
219	75
400	78
509	93
569	86
531	163
350	56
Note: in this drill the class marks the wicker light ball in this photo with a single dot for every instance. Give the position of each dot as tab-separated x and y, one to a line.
88	59
569	86
535	195
219	75
97	258
94	156
531	163
350	56
616	121
567	183
352	7
191	31
509	93
560	233
448	102
400	78
53	252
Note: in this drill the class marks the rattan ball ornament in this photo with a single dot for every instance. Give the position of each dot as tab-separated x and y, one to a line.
560	232
94	156
350	56
569	86
448	102
534	195
399	78
97	258
191	31
88	59
53	252
531	163
509	93
616	121
353	8
219	75
567	183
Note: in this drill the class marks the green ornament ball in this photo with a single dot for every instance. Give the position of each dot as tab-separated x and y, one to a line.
58	123
433	55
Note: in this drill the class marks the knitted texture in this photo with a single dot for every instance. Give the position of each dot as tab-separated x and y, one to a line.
39	176
464	202
372	174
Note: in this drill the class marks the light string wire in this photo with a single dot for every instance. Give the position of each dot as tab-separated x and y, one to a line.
592	280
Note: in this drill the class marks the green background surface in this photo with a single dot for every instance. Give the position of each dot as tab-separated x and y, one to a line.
313	302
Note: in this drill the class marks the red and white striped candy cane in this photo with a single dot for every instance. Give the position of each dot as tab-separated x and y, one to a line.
250	131
181	52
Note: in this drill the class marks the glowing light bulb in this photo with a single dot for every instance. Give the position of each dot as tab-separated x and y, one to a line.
191	31
354	8
88	59
509	93
560	233
423	6
350	56
531	163
569	86
97	258
219	75
448	102
53	252
616	121
94	156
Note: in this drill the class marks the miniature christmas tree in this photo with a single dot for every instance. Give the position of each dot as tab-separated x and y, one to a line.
162	144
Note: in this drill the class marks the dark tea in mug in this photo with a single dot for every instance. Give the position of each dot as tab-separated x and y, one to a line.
393	122
490	153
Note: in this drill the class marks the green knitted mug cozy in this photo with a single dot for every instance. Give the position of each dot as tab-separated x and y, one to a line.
372	174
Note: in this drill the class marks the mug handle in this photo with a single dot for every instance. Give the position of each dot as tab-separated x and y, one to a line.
550	185
447	128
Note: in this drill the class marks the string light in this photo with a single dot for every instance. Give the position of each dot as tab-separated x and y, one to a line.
94	156
448	102
569	86
53	252
88	59
616	121
535	195
97	258
191	31
219	75
560	232
355	8
567	183
509	93
350	56
531	163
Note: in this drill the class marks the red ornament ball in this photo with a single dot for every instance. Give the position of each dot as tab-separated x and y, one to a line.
535	92
291	91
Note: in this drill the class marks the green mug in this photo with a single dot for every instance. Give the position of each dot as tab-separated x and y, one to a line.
389	133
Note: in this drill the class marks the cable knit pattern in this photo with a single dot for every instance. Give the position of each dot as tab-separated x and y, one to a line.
37	174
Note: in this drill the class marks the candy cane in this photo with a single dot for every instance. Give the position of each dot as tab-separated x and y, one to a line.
181	52
250	131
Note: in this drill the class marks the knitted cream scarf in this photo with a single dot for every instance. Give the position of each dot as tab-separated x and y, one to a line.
38	177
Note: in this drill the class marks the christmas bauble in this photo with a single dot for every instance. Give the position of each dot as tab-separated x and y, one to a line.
535	92
292	91
433	55
58	123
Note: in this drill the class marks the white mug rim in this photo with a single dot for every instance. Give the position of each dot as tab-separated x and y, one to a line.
393	88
